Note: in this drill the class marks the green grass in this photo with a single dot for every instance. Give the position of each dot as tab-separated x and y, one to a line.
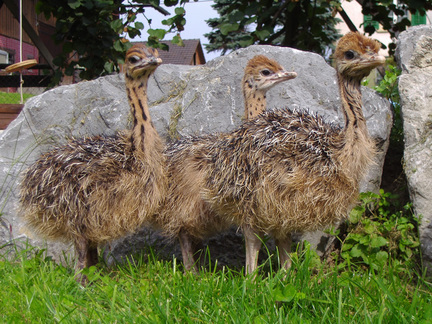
13	97
37	290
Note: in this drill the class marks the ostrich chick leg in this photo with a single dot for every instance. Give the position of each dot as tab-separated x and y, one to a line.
87	256
284	249
188	251
253	246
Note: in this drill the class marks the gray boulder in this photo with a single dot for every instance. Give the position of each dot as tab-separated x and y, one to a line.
414	54
183	100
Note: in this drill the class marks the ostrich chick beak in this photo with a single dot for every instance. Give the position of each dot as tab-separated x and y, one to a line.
285	75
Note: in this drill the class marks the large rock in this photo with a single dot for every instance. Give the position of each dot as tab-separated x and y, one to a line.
183	100
414	54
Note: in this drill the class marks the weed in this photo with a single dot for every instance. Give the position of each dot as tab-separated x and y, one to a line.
388	87
381	235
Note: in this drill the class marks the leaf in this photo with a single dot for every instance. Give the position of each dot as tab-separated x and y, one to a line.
286	294
179	11
252	8
366	259
74	4
356	214
377	242
356	252
89	5
346	255
251	20
246	41
139	25
177	40
170	3
365	240
118	46
382	257
227	28
369	228
116	25
67	47
57	61
332	231
408	253
163	46
109	67
347	246
157	33
168	22
133	32
69	70
262	34
235	16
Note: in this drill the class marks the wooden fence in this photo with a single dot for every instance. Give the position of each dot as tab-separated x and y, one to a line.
8	112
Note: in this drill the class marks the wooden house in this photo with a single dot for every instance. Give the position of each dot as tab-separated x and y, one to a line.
190	54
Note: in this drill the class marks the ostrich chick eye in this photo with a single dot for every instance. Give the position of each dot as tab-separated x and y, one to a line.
265	72
349	55
133	59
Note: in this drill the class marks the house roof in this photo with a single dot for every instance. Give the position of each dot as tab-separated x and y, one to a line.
189	54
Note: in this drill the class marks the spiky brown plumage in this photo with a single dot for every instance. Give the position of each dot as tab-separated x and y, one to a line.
96	189
185	210
285	170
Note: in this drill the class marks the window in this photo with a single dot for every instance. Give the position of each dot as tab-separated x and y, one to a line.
367	21
417	19
4	57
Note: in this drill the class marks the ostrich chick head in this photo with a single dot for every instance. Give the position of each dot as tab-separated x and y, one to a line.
262	73
357	55
141	60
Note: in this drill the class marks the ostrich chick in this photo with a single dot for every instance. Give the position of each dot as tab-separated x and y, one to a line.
96	189
261	74
186	214
285	171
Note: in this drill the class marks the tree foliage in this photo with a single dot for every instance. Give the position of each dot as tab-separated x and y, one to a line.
303	24
393	17
92	32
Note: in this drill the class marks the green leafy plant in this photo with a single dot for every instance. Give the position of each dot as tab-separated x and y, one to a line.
380	234
388	87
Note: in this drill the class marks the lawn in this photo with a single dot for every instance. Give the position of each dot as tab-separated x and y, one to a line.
13	97
152	290
373	276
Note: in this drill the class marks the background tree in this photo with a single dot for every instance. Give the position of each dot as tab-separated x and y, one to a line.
302	24
393	17
92	32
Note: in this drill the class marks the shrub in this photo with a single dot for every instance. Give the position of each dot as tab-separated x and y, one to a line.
388	87
380	234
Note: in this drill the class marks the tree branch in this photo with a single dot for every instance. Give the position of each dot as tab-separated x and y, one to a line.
282	7
275	35
347	20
